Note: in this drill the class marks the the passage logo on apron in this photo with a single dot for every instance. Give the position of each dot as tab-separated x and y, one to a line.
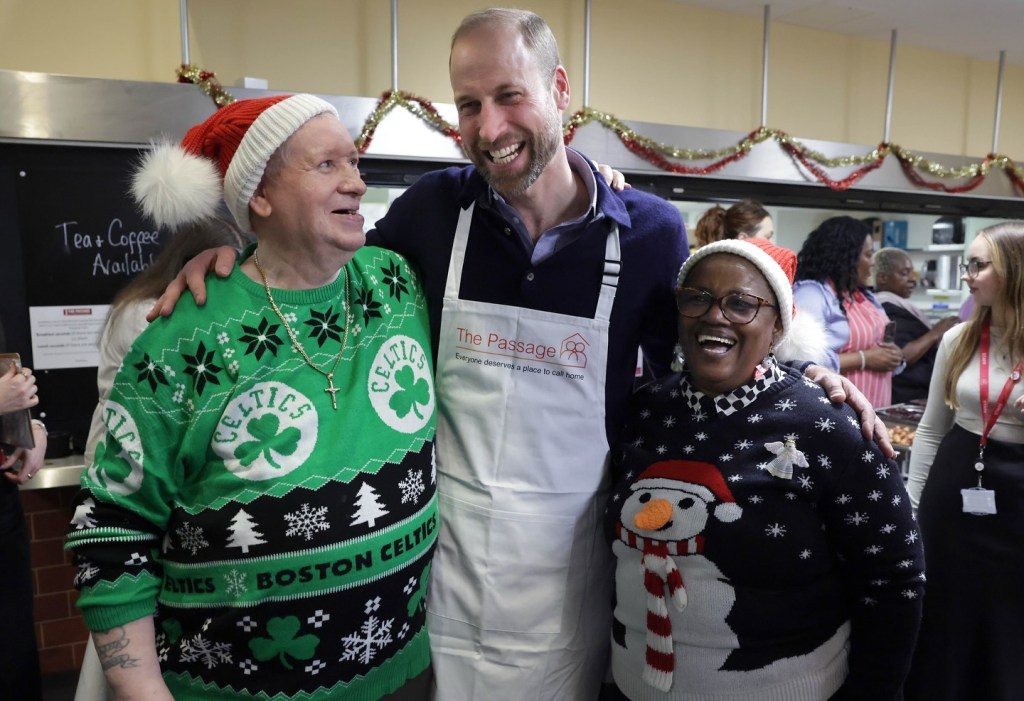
491	349
401	385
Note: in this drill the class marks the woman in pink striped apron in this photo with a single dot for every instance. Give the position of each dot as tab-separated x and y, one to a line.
833	269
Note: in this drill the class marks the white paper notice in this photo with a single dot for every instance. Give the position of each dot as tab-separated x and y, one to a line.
66	336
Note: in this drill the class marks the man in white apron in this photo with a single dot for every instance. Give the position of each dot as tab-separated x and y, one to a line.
522	582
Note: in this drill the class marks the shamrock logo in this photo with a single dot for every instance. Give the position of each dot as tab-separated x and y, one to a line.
172	629
267	439
150	372
261	338
405	402
413	392
284	643
325	325
394	279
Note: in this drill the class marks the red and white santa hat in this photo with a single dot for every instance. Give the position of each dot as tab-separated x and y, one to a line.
223	158
702	479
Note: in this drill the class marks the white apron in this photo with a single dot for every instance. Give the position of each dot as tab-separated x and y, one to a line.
520	601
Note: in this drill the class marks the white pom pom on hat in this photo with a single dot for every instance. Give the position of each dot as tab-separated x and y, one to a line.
222	158
173	187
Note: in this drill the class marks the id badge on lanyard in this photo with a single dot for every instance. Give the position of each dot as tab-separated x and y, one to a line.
977	500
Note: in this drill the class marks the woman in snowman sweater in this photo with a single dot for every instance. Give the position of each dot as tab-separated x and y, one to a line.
765	550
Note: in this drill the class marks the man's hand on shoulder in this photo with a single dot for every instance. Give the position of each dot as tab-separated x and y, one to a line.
218	260
615	179
840	389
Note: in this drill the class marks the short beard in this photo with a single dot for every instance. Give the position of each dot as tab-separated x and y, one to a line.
542	148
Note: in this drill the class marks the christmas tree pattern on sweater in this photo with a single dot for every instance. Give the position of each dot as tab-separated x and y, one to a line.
284	545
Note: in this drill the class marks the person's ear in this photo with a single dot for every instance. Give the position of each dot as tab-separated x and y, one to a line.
259	203
560	88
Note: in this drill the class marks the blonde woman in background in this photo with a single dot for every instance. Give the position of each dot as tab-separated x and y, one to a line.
967	482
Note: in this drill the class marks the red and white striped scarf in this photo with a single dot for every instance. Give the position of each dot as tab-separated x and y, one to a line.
660	571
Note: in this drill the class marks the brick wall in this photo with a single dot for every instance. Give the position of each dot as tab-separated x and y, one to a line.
60	632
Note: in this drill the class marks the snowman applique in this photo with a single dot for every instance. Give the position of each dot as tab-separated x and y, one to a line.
662	521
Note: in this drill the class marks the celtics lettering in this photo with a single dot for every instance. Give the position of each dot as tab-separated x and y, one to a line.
266	431
406	544
316	572
401	385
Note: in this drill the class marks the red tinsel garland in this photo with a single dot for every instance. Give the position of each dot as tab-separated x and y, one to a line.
822	177
1013	174
419	107
664	157
915	177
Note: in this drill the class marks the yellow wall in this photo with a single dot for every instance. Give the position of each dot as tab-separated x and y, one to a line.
651	60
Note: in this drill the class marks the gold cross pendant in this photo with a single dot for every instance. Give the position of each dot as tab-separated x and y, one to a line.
333	390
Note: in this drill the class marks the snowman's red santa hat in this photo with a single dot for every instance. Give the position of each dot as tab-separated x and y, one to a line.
702	479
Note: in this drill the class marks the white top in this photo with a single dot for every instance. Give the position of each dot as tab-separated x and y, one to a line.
938	418
114	344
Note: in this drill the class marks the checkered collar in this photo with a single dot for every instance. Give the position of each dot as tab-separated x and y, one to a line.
739	398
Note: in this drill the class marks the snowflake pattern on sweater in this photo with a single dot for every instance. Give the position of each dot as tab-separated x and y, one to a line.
800	586
283	546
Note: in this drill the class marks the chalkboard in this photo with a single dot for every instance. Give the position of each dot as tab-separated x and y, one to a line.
71	237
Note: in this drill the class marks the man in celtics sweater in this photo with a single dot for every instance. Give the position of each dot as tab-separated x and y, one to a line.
259	521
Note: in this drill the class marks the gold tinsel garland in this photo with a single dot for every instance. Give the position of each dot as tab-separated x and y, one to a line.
666	156
207	82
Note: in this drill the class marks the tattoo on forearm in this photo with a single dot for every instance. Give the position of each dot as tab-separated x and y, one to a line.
111	653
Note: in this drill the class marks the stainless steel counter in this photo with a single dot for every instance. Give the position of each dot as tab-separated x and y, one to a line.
58	472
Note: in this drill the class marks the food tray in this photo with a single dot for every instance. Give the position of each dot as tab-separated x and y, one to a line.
901	420
901	413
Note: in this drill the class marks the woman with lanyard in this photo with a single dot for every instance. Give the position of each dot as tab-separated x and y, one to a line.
967	482
833	269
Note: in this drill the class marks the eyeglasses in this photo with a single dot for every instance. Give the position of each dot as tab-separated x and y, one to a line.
738	308
972	268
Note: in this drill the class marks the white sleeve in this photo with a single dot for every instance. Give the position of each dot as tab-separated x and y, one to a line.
114	344
809	299
935	424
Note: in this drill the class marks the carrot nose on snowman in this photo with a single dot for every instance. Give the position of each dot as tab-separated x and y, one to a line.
654	515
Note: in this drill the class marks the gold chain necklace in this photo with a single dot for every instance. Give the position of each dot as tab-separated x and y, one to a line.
295	342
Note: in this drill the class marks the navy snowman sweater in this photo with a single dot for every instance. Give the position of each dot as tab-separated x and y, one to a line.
786	534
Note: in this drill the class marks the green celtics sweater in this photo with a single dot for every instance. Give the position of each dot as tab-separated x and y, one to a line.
283	545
